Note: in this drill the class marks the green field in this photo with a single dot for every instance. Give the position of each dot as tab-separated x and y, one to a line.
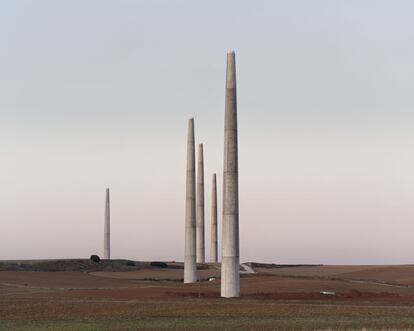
230	315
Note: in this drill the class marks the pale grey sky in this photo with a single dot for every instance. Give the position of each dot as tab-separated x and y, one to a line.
98	93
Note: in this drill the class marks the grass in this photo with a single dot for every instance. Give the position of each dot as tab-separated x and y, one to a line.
350	322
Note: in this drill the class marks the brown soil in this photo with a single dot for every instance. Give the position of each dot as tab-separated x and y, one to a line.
26	295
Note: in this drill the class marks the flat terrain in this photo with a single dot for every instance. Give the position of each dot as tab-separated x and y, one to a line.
151	298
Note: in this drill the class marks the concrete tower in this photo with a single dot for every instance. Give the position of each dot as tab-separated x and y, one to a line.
230	273
107	231
190	269
213	247
200	207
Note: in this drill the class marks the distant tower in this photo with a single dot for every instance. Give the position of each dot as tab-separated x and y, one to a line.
213	247
190	268
230	273
200	207
107	231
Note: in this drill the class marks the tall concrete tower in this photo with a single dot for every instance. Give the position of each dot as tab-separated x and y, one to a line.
107	231
190	268
213	247
200	207
230	273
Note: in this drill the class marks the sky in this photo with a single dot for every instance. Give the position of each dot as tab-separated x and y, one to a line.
97	94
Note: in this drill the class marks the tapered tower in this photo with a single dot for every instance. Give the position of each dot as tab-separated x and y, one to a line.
107	231
230	272
214	244
200	236
190	269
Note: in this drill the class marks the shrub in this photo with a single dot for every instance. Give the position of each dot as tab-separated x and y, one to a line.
158	264
95	258
130	263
